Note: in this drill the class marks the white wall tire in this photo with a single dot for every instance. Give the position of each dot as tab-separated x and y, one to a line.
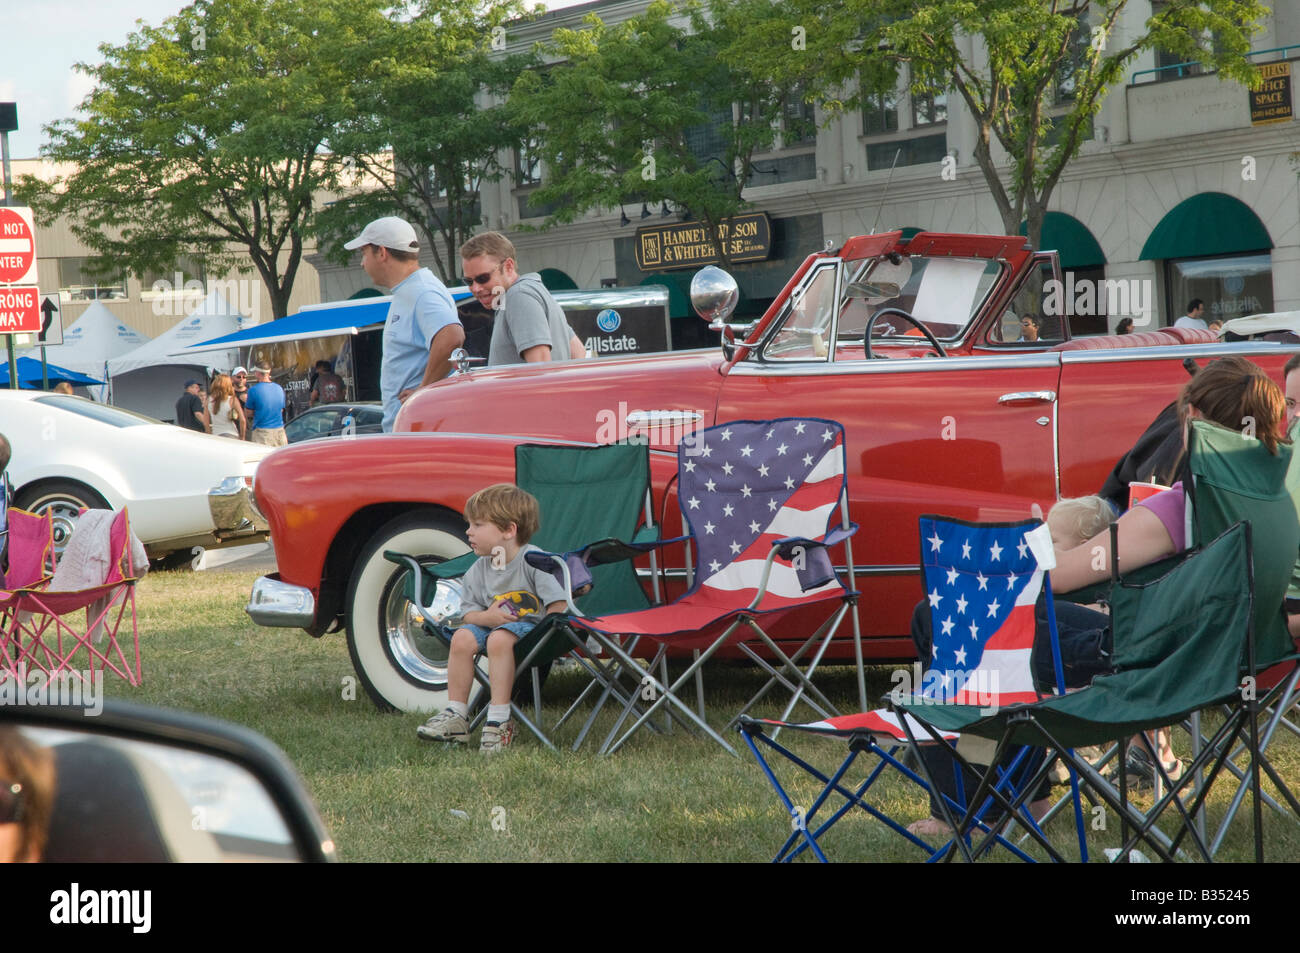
400	667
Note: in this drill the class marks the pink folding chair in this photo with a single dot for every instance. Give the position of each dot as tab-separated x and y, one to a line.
31	564
45	630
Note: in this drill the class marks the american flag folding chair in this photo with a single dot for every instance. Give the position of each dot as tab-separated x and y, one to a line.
762	501
982	584
47	627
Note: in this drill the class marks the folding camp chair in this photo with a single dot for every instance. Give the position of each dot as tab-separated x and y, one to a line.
30	540
45	630
982	582
584	493
1190	632
763	501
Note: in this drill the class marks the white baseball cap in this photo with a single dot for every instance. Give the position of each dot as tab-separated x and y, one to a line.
391	232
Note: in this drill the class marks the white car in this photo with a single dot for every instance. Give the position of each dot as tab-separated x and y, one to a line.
182	489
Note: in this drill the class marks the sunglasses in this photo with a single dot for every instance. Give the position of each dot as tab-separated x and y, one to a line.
482	279
11	802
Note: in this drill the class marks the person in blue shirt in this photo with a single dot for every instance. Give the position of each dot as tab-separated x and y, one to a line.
266	404
422	328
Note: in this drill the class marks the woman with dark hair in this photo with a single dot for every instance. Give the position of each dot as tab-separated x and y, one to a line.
1225	392
26	797
1125	326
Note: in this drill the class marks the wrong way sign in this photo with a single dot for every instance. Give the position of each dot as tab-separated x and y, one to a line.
17	247
20	310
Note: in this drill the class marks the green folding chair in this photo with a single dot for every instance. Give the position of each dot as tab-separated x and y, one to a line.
584	494
1188	631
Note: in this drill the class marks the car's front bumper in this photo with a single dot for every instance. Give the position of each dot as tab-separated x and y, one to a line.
234	513
276	603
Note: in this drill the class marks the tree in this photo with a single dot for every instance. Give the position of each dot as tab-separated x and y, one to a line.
1032	73
652	110
421	139
206	136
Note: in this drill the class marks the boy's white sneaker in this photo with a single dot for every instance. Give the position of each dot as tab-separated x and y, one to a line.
445	726
496	737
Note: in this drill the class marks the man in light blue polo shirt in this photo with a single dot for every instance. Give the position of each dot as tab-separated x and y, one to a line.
422	327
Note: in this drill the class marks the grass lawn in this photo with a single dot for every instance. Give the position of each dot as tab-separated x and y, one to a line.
385	796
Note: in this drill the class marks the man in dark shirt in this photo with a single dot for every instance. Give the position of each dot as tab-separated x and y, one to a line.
327	387
189	409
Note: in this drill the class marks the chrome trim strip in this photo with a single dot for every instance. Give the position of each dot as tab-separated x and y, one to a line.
898	365
1176	352
841	570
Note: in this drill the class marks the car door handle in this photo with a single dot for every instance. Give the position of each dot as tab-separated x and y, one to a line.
1028	397
650	418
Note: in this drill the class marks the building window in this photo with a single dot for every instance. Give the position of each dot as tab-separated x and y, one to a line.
928	110
1171	65
710	140
528	167
915	151
1230	285
1073	65
77	281
880	114
798	121
166	280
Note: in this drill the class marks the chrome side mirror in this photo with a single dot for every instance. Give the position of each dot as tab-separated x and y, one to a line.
714	296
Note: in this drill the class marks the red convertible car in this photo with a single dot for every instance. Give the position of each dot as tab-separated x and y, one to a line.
914	345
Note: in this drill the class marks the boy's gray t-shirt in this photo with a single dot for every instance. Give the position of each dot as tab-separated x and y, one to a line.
524	586
528	316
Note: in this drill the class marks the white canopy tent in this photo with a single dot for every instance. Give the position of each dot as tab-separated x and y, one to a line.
91	340
150	378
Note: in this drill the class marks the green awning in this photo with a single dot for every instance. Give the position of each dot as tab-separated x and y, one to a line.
366	293
908	231
1207	224
556	280
679	301
1070	239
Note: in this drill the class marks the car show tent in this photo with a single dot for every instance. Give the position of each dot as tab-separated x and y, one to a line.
150	378
88	343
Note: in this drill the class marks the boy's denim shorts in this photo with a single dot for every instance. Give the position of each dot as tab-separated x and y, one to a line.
519	629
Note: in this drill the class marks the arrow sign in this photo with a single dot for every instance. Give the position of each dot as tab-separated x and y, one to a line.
17	247
51	322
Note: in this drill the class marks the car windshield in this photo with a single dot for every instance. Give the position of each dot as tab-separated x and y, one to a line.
942	293
113	416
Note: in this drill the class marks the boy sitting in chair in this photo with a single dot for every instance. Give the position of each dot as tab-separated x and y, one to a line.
501	601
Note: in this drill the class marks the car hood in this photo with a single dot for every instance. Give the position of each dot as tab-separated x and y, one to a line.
571	400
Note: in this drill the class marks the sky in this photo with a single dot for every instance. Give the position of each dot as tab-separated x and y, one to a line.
47	37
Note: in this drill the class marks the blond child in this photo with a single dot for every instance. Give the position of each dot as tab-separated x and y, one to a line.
502	600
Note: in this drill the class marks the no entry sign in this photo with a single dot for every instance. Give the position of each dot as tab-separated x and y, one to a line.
17	247
20	310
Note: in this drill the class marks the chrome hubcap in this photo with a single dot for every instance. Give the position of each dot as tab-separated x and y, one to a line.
419	655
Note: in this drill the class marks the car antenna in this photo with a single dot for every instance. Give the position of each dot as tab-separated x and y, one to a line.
890	178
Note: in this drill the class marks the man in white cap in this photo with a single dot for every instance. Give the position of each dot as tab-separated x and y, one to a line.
422	327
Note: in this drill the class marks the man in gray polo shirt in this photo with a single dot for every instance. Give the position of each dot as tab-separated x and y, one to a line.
422	328
528	325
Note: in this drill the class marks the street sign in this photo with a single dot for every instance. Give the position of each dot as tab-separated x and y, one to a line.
51	322
17	247
20	309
